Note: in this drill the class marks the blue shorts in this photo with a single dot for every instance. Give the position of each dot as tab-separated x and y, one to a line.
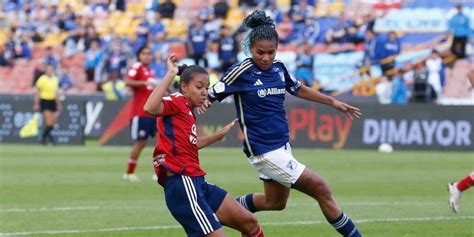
193	202
142	128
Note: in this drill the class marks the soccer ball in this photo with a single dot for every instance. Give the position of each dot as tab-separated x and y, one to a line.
385	148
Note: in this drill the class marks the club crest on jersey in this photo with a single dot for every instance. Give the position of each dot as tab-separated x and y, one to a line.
292	165
270	91
219	87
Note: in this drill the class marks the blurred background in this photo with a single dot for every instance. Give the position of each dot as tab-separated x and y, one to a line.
414	55
407	64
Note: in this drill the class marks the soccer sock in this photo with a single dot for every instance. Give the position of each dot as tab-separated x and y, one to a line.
466	182
131	166
46	133
247	202
344	225
50	136
257	233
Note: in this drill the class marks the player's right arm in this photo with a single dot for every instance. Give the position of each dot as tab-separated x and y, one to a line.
154	104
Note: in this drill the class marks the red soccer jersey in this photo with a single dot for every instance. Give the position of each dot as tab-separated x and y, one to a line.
140	72
176	148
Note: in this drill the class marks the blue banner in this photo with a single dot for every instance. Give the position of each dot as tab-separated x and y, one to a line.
427	20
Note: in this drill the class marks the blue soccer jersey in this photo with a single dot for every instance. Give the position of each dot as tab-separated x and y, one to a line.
259	102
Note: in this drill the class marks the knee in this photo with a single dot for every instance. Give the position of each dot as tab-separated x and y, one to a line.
277	205
250	225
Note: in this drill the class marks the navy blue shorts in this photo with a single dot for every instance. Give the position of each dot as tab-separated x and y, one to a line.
193	202
142	128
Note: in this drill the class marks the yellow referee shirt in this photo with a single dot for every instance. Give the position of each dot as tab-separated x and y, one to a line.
47	87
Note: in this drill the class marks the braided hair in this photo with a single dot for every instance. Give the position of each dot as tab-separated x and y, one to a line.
262	28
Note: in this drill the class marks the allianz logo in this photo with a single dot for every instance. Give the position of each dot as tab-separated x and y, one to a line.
270	91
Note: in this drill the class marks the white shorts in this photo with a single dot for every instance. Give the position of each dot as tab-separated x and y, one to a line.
278	165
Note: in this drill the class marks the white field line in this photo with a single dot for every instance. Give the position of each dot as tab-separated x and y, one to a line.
50	209
84	208
411	203
57	232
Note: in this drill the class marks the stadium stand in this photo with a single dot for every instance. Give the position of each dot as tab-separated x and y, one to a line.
69	28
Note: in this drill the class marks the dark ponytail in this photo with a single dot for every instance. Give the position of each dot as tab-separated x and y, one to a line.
262	27
186	73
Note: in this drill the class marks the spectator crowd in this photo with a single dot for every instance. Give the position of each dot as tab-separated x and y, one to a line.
210	41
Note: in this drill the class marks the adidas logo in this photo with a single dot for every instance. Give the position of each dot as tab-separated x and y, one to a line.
258	83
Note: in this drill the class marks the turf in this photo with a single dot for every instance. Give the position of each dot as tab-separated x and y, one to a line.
78	191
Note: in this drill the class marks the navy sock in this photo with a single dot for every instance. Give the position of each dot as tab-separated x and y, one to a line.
344	225
247	202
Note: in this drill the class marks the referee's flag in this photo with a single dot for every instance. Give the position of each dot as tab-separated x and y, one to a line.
31	128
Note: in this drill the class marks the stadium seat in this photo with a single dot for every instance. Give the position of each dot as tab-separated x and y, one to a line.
177	29
234	18
88	88
136	7
54	39
457	83
336	8
283	4
122	24
77	5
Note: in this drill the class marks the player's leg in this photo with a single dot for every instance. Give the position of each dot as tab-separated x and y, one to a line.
314	186
456	189
229	212
276	187
132	162
186	200
280	166
466	182
139	133
274	197
232	214
48	121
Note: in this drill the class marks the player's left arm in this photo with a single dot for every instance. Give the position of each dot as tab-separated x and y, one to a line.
208	140
307	93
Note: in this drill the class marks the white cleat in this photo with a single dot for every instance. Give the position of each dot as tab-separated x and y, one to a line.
454	196
155	177
132	178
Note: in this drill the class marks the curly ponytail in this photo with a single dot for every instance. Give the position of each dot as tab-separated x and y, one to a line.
262	27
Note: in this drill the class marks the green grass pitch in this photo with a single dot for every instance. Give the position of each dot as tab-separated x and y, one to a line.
78	191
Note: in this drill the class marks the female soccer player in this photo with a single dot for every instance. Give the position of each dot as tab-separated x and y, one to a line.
47	101
142	81
198	206
259	85
457	188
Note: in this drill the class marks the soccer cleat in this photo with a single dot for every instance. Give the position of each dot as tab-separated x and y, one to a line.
155	177
454	196
132	178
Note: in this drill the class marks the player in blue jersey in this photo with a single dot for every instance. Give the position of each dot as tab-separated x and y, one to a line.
259	84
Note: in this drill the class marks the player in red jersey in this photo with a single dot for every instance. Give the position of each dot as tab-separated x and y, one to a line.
142	81
200	207
457	188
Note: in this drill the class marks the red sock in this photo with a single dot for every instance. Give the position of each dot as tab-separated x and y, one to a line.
131	166
257	233
466	182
